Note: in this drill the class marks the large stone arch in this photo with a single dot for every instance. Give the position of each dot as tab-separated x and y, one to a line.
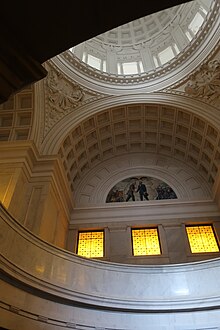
54	138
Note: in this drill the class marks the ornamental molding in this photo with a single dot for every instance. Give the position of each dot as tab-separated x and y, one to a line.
63	96
203	84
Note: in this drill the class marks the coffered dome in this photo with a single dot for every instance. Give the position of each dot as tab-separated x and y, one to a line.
147	43
146	51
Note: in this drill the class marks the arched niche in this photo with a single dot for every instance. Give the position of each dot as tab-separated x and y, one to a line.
139	188
184	179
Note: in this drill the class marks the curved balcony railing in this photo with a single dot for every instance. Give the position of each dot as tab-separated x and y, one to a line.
59	273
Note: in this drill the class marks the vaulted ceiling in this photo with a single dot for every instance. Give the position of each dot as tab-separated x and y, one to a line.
128	128
141	128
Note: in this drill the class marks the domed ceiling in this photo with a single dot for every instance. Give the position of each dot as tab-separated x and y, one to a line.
144	46
144	50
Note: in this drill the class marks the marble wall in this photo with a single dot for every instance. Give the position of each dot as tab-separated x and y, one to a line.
45	287
24	310
172	235
169	216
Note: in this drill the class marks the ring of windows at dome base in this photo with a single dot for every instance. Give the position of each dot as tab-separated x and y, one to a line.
119	52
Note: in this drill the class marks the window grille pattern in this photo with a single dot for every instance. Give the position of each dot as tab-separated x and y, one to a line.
145	242
91	244
202	239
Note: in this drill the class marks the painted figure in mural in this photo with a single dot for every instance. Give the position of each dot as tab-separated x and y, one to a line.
130	192
142	191
148	188
165	192
119	196
115	196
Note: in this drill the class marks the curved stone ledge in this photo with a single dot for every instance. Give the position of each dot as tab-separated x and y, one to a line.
103	285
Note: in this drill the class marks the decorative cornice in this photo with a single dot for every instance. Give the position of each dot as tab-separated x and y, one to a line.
142	212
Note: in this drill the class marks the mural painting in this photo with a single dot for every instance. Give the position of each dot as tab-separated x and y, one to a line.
140	189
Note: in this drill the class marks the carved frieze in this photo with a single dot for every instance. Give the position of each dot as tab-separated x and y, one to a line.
205	84
62	97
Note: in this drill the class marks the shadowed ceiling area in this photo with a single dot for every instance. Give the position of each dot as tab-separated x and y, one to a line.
45	30
32	33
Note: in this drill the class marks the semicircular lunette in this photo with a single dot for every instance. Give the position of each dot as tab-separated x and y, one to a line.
140	189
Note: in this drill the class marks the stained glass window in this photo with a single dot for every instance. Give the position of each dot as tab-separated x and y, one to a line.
145	241
202	239
91	244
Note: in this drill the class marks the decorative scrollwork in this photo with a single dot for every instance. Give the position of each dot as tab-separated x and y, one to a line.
206	83
62	94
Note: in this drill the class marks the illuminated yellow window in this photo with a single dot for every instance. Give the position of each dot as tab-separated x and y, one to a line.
202	239
145	242
91	244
